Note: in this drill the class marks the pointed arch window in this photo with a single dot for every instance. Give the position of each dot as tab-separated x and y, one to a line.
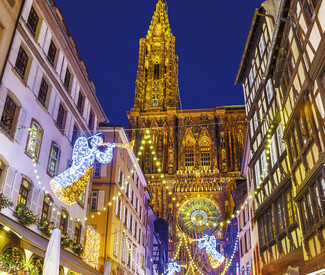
156	71
205	156
189	155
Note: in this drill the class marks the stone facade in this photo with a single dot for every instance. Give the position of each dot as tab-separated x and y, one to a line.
199	150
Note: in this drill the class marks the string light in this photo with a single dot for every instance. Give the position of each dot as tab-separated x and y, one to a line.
91	252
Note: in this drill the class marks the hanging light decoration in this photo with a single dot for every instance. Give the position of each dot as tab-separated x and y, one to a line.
173	267
210	243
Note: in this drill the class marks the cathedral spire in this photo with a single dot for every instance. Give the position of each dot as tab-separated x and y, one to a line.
156	83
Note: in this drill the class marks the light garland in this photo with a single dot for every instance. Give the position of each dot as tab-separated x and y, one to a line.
228	263
68	185
210	243
91	253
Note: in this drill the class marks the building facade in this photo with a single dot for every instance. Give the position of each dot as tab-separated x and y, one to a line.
9	12
282	75
47	100
119	209
198	151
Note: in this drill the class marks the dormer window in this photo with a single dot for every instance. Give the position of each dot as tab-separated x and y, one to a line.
155	100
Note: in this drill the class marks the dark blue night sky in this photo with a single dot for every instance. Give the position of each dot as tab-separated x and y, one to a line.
210	39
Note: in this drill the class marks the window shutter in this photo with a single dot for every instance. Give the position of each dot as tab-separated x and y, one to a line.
32	74
47	42
37	81
73	87
124	213
16	187
42	33
8	183
82	238
116	206
34	199
273	151
53	96
26	10
56	108
40	205
14	50
118	174
54	215
103	170
3	96
21	123
70	228
59	62
120	214
101	198
64	69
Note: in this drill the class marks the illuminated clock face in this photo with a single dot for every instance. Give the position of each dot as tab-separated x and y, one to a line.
199	216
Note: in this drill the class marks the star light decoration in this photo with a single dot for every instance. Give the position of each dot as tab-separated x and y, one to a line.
91	253
68	185
173	267
210	243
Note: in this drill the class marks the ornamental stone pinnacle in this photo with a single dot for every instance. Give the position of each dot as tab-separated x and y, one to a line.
156	83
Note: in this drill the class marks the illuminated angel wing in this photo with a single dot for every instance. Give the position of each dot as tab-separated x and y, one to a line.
80	151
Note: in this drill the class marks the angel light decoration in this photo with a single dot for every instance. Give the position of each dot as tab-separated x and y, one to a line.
68	185
210	243
173	268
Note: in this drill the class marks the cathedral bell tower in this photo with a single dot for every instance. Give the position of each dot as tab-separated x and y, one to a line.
156	83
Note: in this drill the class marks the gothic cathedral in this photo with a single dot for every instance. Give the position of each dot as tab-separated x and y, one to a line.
200	152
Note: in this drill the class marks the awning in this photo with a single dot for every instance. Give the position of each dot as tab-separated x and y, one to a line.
38	244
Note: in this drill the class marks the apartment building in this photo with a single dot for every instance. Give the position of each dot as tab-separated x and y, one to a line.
284	92
9	12
119	209
47	100
273	205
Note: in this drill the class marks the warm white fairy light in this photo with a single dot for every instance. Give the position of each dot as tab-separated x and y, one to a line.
210	243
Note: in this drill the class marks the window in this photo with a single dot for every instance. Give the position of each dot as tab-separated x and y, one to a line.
156	71
21	62
54	160
8	114
257	174
269	90
81	198
273	153
63	221
45	209
155	100
23	192
80	103
97	169
42	94
279	134
128	163
308	8
32	21
264	165
205	156
77	232
261	45
93	201
67	79
290	207
91	120
61	117
51	53
116	239
251	78
281	215
189	155
35	140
